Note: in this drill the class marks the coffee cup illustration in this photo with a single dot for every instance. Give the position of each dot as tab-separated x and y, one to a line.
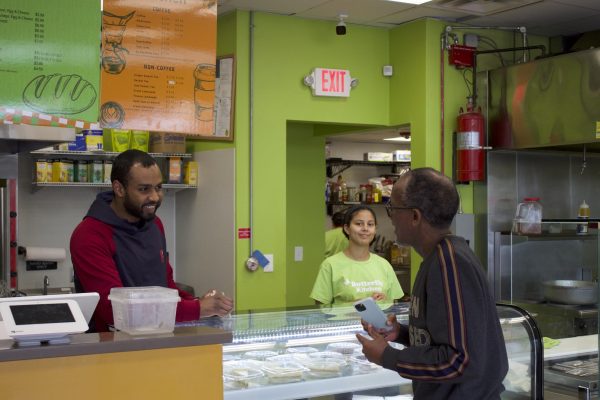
113	30
204	91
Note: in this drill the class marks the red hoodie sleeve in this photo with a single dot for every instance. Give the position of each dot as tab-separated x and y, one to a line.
92	250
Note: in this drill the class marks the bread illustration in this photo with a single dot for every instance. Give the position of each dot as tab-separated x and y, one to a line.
59	94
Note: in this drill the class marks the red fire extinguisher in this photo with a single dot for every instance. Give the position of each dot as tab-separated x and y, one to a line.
470	142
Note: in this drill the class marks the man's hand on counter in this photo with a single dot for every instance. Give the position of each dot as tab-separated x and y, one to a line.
215	302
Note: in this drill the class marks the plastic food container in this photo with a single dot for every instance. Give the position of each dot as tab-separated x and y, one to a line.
343	347
302	350
360	363
144	310
260	355
324	367
241	374
327	355
528	218
283	371
231	357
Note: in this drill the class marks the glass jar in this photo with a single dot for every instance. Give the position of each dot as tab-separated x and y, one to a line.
528	218
82	171
97	172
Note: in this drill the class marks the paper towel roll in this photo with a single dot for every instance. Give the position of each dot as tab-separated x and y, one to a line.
45	254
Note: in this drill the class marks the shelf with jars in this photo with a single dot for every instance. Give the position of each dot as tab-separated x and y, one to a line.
64	168
336	166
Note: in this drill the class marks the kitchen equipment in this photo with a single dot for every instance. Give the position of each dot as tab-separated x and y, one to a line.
570	291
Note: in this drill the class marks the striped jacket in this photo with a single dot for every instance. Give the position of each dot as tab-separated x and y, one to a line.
455	345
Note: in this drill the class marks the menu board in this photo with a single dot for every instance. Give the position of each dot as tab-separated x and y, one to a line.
158	65
49	70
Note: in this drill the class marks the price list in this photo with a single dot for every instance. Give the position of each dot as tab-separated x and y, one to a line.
44	44
154	48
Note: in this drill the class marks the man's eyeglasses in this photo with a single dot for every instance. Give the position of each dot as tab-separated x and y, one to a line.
389	208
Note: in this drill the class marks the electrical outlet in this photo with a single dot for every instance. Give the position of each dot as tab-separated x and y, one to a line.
298	253
269	266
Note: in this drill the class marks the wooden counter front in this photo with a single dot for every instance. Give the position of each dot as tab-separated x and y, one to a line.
117	366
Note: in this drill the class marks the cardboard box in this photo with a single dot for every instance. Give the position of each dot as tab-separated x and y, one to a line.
401	155
166	142
78	144
378	156
94	140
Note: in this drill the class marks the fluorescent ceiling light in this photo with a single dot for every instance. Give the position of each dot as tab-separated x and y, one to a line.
398	139
410	1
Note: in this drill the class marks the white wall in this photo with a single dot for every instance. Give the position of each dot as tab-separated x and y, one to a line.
47	217
206	225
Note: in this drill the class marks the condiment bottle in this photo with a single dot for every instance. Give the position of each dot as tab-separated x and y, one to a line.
584	213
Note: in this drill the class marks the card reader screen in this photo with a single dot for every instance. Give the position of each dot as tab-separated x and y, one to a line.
27	314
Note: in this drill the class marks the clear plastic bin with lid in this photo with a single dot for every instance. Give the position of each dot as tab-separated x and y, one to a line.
528	217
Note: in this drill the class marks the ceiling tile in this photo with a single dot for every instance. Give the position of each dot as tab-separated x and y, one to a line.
285	7
573	27
591	4
358	11
480	7
421	12
546	17
538	14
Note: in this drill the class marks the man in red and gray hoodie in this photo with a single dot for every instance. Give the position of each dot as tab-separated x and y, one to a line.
121	243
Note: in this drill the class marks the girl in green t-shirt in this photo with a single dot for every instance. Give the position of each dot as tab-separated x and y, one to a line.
356	273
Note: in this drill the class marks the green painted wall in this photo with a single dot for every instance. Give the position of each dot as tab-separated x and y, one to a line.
415	52
289	126
305	171
285	50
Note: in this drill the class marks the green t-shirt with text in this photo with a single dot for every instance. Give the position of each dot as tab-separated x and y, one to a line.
344	280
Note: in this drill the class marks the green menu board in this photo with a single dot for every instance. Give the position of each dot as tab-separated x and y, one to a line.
49	62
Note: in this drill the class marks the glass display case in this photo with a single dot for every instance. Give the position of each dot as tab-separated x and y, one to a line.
314	352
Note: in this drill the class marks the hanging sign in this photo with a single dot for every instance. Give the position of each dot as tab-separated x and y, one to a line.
159	65
49	62
330	82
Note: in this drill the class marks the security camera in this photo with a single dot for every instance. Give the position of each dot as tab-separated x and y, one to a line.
340	28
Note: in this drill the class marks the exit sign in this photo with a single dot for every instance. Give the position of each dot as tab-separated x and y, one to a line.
330	82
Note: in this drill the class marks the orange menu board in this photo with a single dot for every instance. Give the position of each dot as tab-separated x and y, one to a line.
158	65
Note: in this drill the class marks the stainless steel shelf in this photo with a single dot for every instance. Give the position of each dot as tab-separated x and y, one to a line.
105	154
336	166
106	185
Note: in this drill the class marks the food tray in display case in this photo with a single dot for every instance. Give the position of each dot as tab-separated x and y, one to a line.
314	352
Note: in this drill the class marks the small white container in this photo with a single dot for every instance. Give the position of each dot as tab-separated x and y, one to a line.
144	310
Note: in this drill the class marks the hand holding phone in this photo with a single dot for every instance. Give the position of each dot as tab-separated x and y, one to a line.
371	313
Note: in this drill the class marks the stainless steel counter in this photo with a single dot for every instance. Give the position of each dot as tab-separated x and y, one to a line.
115	342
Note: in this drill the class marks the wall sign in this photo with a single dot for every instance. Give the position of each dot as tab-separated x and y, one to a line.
224	98
49	62
244	233
330	82
159	65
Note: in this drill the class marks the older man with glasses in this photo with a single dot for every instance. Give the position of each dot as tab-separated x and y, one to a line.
455	348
